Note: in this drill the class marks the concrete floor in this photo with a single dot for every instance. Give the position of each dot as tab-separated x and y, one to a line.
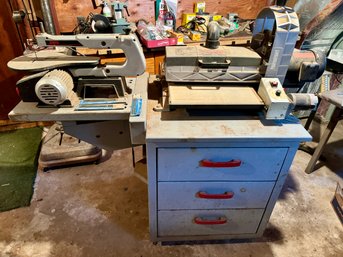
101	210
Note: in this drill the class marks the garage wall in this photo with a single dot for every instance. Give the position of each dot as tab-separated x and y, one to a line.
10	47
68	10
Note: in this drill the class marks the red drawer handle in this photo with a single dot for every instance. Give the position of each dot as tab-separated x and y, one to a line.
228	164
202	221
226	195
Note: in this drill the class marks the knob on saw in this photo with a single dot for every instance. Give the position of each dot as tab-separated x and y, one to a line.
55	87
100	24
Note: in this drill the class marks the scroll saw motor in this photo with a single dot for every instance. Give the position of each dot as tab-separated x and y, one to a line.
55	87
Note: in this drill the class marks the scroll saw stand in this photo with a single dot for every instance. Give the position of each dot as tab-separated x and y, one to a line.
60	149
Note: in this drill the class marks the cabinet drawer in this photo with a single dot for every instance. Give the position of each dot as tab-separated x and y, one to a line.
203	222
198	164
213	195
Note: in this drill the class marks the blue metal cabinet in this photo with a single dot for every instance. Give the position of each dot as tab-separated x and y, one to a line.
210	182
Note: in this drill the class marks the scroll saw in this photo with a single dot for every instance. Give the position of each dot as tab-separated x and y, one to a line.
102	104
54	86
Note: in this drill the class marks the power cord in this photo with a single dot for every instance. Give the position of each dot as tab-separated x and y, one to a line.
197	24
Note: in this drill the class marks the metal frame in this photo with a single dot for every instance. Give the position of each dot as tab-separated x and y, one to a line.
152	182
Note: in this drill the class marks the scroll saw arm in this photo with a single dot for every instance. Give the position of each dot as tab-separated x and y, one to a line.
133	66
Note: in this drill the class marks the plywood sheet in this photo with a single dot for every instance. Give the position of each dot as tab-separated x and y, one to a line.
186	95
246	9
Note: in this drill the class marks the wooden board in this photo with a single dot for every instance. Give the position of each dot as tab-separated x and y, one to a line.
186	95
334	97
8	125
10	48
67	11
158	60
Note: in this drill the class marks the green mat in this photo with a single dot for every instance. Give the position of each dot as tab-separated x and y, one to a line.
19	151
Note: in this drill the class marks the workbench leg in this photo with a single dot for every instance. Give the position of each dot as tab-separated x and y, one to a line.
323	140
311	116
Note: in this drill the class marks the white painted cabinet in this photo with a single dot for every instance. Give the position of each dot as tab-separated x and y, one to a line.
210	182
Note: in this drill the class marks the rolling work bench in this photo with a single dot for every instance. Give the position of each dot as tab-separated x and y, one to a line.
216	177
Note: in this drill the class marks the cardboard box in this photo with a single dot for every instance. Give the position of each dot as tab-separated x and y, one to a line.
179	37
337	202
195	36
159	42
199	7
216	17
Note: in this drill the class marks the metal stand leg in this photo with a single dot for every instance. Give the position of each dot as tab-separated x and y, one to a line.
133	156
325	137
144	151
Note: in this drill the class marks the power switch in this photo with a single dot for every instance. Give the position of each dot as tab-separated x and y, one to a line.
278	92
274	83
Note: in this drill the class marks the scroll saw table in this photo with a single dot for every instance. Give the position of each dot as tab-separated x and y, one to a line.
109	129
